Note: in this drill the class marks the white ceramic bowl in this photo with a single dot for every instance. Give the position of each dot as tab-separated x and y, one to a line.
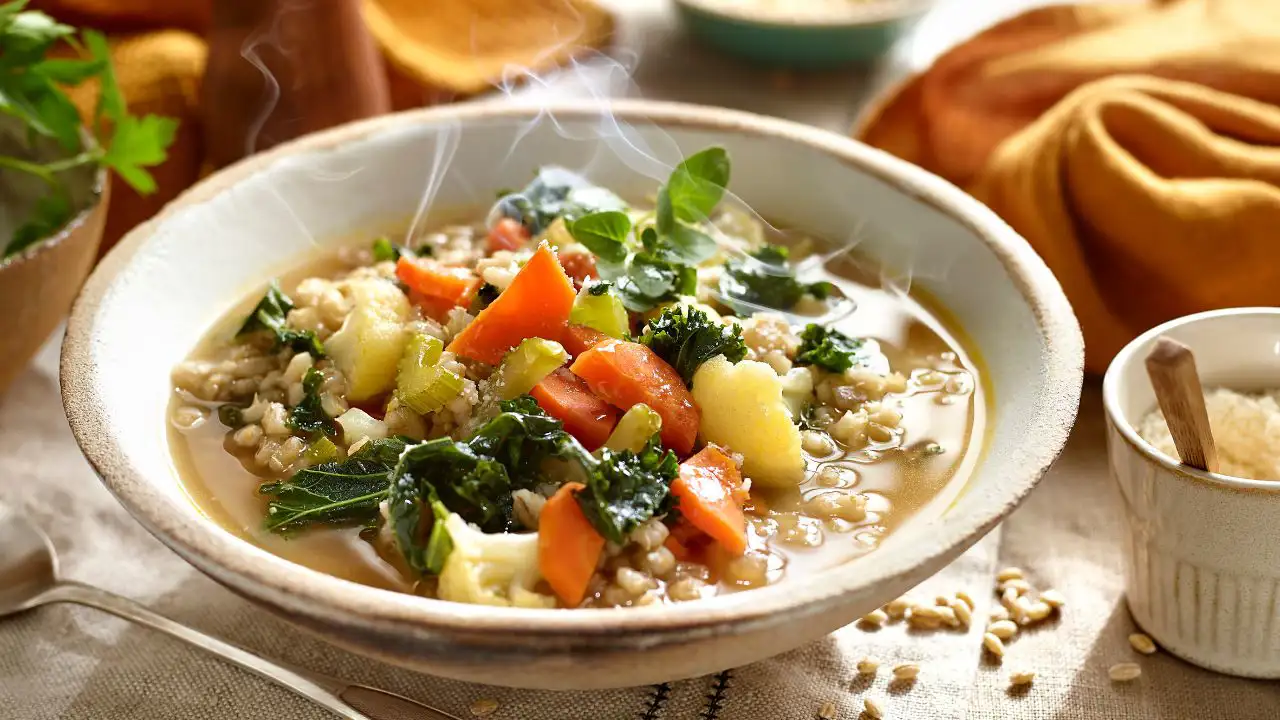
157	293
1203	557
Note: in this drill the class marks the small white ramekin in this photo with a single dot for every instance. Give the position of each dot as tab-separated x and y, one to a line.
1203	549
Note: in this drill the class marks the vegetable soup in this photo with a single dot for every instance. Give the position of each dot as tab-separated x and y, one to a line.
578	402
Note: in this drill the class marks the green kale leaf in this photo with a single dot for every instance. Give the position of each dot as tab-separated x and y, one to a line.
271	315
686	338
830	349
625	489
766	278
334	493
309	415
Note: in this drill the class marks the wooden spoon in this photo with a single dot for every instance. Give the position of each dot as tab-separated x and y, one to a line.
1172	369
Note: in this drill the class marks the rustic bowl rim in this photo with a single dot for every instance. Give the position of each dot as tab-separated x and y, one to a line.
871	13
1113	380
334	603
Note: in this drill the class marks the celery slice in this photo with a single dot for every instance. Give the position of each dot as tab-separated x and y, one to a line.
528	364
422	385
321	451
635	428
603	312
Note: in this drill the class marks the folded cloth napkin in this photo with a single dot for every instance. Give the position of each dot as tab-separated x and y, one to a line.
435	52
1137	148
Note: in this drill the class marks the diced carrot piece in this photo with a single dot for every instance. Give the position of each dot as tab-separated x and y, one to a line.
627	373
580	267
433	307
567	398
507	234
455	285
707	494
536	304
568	546
580	338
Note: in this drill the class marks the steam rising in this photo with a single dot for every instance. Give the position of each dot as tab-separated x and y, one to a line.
598	79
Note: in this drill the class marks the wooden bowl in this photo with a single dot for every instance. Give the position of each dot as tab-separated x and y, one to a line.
154	296
38	284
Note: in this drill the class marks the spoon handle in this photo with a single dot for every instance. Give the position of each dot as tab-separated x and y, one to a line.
324	691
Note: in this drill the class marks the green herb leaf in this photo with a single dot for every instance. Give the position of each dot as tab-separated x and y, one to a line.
346	492
309	415
830	349
603	233
439	542
66	71
664	215
690	245
697	184
598	288
111	104
27	35
137	144
384	251
686	338
556	193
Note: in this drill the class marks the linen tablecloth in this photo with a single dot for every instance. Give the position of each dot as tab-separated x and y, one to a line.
72	663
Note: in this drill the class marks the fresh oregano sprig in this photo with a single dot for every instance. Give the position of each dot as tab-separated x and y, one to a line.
31	90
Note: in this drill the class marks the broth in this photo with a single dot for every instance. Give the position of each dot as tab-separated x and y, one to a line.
942	431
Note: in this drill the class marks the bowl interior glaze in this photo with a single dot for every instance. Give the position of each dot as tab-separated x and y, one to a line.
156	294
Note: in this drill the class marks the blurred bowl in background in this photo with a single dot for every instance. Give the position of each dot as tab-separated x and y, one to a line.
799	35
39	282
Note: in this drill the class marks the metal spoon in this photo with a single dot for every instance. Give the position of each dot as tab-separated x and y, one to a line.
29	579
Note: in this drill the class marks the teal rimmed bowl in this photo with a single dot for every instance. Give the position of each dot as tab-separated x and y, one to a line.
786	39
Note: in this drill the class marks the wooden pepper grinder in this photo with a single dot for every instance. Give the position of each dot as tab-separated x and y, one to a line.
324	70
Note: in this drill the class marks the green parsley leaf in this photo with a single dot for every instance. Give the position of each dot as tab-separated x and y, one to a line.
138	143
603	233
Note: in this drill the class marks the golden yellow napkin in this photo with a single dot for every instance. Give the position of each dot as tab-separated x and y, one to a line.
1137	148
435	51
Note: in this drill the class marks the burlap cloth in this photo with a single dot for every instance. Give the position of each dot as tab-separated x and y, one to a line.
67	662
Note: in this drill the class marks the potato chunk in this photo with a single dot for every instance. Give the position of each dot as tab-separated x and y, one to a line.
368	347
743	409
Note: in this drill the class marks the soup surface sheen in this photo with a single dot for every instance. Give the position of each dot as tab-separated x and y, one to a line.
890	439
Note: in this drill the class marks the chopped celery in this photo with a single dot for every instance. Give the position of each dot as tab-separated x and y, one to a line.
557	234
422	384
634	429
321	451
528	364
603	312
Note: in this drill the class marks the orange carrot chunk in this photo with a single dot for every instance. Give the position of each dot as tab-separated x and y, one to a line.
567	398
568	546
708	495
580	338
536	304
507	234
627	373
429	278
